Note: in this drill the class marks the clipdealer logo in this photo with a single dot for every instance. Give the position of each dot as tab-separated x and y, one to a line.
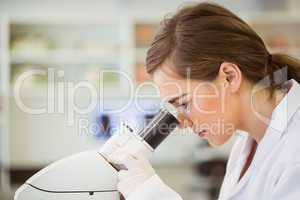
61	94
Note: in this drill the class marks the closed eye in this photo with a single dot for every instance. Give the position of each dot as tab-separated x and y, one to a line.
182	107
181	102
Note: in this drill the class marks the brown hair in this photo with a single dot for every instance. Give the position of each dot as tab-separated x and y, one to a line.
200	37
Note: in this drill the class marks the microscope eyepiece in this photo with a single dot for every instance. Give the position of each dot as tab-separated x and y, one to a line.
160	126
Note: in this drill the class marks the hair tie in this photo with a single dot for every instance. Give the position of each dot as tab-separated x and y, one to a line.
270	59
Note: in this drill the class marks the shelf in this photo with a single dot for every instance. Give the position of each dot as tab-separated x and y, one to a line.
144	33
65	57
140	55
289	51
275	18
84	44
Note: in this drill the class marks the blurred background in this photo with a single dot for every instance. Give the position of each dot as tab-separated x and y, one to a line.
74	40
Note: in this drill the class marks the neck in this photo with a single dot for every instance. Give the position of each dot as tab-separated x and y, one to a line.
256	113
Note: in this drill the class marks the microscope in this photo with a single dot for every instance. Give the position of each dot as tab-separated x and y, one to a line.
88	175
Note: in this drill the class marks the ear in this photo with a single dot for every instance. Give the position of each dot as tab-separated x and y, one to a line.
230	75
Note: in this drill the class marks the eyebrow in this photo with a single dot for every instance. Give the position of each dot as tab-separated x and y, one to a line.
174	99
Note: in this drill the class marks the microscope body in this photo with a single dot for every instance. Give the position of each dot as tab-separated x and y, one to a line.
86	175
89	175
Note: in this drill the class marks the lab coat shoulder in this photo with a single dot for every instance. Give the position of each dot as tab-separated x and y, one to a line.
290	150
287	184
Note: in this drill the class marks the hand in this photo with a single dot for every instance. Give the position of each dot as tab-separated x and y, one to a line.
125	150
139	181
127	141
139	170
116	142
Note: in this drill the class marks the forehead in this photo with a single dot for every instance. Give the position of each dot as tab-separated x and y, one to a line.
169	82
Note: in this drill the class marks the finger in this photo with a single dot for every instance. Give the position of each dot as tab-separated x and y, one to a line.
123	138
130	161
110	146
118	157
114	143
123	174
130	174
107	151
141	159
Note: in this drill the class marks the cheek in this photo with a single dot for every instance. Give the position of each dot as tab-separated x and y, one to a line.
208	101
209	114
207	106
206	109
211	105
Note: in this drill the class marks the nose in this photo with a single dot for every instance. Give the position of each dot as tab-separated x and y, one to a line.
184	120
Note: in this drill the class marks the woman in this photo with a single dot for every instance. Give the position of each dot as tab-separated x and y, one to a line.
216	70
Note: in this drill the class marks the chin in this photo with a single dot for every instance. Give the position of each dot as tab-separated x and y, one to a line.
217	141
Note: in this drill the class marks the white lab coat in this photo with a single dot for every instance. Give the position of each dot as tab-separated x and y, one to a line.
274	173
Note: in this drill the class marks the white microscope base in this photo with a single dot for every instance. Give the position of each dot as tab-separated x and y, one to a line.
30	193
84	176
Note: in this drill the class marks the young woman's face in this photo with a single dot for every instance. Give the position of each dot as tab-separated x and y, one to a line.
206	107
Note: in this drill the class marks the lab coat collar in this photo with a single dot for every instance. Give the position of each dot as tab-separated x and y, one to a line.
286	108
281	116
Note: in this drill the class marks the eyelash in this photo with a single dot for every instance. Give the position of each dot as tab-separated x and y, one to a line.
183	105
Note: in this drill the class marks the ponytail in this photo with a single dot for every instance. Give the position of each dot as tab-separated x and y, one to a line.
292	64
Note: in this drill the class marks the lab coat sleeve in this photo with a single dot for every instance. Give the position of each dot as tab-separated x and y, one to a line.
288	185
154	188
